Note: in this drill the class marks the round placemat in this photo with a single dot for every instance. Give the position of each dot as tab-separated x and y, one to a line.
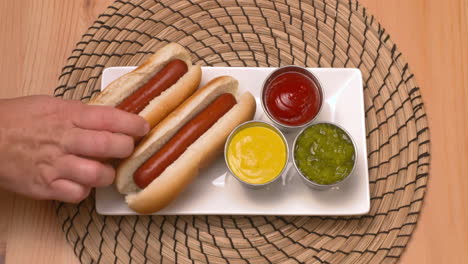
260	33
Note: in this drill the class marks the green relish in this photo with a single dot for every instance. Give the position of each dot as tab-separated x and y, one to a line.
324	153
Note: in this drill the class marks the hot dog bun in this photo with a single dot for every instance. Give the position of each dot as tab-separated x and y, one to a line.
173	180
163	104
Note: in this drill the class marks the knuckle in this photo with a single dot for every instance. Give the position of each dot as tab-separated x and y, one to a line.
67	108
108	116
46	175
102	142
69	140
93	172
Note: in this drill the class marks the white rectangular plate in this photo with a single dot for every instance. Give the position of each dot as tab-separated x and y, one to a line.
215	191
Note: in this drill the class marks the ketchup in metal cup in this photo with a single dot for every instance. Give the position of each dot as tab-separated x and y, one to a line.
292	98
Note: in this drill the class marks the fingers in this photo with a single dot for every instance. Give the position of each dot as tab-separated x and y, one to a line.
68	191
85	172
75	176
111	119
98	144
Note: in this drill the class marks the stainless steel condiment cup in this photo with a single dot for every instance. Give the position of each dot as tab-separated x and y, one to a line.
311	183
255	124
272	76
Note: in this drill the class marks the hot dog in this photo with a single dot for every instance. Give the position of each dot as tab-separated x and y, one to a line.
171	155
188	134
156	87
164	79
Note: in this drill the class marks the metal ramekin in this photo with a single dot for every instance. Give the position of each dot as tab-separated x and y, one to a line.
313	184
289	68
255	124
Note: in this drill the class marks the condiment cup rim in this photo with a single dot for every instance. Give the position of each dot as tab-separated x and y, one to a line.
296	69
310	182
254	123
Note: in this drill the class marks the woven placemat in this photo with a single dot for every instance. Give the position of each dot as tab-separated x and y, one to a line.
260	33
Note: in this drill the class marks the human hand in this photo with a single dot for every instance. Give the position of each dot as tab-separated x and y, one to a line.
49	148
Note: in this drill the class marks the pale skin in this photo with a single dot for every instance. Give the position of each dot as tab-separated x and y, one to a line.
53	149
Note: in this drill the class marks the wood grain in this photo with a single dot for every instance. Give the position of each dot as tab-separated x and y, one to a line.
37	37
433	36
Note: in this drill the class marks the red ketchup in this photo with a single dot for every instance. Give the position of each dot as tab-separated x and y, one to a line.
292	98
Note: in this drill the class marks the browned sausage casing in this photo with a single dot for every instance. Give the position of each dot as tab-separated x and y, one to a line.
188	134
160	82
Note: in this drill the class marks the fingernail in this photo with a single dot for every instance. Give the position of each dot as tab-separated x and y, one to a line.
147	128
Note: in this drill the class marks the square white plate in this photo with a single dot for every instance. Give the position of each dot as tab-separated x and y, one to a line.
215	191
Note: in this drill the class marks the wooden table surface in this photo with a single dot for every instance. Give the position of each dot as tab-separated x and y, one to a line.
38	36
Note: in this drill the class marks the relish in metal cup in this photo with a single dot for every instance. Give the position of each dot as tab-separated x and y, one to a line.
324	155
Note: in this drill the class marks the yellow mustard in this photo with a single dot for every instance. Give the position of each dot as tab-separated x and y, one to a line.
256	155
